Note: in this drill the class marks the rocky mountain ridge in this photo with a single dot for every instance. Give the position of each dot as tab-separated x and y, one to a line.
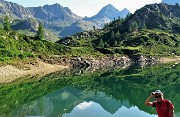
54	13
14	10
60	20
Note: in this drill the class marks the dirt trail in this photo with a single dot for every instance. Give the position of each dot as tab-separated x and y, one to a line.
10	73
168	60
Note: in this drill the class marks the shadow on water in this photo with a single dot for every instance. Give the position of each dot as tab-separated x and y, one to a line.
59	93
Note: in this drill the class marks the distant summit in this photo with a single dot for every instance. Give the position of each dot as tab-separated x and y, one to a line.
110	12
171	2
105	15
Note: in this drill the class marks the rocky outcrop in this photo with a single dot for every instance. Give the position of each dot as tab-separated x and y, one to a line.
100	61
147	59
85	62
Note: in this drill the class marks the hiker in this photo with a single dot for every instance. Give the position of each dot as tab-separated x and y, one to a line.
163	107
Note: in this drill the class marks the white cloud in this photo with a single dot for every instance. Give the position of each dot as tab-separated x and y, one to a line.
84	105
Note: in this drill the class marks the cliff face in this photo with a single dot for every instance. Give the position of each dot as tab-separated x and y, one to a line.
53	13
15	10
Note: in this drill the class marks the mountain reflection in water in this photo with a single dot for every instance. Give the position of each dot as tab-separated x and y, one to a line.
107	93
71	102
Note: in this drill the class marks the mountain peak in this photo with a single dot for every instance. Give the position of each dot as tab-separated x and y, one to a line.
53	5
111	12
109	5
108	9
54	12
108	13
125	9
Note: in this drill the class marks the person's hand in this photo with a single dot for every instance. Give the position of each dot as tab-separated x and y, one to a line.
152	94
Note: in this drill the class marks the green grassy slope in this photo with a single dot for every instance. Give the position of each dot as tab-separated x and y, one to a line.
15	45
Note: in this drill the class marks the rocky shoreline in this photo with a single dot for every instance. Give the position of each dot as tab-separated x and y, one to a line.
43	66
84	62
107	61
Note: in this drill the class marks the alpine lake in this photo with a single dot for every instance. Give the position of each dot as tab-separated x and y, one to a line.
112	92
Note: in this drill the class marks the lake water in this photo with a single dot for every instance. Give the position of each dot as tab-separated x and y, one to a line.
103	93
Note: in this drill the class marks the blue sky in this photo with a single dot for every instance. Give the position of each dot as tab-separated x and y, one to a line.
88	7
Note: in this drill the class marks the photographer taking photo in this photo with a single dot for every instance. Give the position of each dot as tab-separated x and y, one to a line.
163	107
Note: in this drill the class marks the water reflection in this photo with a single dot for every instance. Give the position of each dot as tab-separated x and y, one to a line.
92	109
71	102
106	93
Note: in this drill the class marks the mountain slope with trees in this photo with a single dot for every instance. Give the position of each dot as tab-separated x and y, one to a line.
134	36
14	45
152	30
160	16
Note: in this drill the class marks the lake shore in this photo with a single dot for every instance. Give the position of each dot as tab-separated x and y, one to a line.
9	73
